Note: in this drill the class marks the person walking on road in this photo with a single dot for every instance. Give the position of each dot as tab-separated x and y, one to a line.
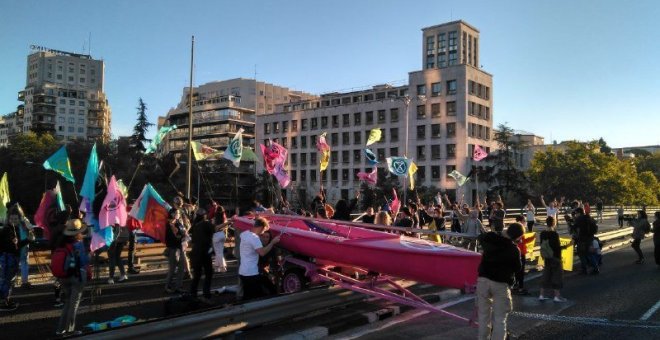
78	274
619	216
251	249
656	238
641	228
599	210
499	263
553	274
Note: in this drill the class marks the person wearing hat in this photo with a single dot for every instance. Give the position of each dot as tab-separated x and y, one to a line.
72	286
202	240
499	263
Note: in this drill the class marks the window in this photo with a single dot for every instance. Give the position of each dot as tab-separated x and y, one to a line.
430	61
62	110
381	116
315	123
285	142
394	115
312	175
452	58
81	121
303	124
285	126
421	111
449	169
435	130
346	119
345	157
345	138
294	125
451	130
368	97
303	175
394	152
435	89
72	102
335	121
303	158
357	158
430	44
394	134
435	172
355	172
435	110
335	139
369	117
381	154
421	152
421	90
421	173
72	111
344	177
357	137
312	158
294	159
453	39
81	112
442	60
451	108
333	157
451	87
72	120
357	118
294	142
303	142
324	122
451	150
294	176
62	101
266	128
276	127
442	43
421	131
435	151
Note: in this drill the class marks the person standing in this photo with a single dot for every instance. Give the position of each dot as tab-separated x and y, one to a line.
133	226
585	229
552	210
202	240
553	274
619	216
174	232
499	263
79	274
219	238
641	228
10	247
530	215
497	217
656	238
599	210
114	254
251	249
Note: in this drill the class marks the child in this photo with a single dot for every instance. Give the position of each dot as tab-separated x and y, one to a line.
552	272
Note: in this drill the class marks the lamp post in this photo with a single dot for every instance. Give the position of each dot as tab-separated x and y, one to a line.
406	101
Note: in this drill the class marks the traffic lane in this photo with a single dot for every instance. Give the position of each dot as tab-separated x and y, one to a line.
609	305
586	300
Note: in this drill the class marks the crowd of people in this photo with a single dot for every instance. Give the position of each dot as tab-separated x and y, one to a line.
195	238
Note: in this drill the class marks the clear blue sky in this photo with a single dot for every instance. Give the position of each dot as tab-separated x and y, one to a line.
562	69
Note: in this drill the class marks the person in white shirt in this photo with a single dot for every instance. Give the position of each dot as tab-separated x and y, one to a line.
530	212
250	249
553	209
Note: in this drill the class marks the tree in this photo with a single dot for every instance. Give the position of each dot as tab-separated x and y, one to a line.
511	182
376	196
138	139
604	148
268	190
649	163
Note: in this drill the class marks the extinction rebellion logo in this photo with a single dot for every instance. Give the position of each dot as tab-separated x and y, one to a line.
235	148
400	167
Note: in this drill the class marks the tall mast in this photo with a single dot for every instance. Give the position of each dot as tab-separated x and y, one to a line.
190	118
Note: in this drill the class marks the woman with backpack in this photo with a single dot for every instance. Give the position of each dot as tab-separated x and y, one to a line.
553	274
70	262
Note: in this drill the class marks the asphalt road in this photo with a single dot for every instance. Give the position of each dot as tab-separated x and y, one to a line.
617	304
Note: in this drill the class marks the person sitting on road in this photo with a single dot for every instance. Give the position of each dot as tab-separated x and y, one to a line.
499	263
251	248
553	273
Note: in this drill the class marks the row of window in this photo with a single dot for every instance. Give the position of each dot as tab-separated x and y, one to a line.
346	100
479	90
71	129
478	110
469	55
62	110
478	131
436	88
441	60
420	175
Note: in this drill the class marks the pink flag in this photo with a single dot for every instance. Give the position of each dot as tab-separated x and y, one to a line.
322	145
369	177
479	153
396	204
282	175
46	212
113	209
274	155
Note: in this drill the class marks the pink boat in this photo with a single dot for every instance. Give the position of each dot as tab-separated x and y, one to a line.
349	244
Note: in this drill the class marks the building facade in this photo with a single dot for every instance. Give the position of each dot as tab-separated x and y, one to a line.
436	119
64	95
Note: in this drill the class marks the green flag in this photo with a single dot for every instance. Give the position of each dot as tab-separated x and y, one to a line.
234	150
164	130
59	162
459	177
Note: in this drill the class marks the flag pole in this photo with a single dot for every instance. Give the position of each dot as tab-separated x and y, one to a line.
190	118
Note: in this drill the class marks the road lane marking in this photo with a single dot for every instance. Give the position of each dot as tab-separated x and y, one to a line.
651	311
587	321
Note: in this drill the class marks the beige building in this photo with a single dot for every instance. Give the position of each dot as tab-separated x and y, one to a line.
437	119
64	94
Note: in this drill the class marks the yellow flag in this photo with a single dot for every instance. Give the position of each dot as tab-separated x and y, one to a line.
4	197
434	237
374	136
566	255
202	152
412	169
325	159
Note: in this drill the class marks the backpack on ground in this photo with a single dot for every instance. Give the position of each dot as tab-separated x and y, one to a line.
63	262
546	250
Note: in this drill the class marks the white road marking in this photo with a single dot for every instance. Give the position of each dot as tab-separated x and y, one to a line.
651	311
587	321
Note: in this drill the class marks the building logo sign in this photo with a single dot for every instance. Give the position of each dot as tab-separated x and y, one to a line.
58	52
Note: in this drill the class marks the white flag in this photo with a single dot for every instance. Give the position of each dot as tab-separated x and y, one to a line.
235	148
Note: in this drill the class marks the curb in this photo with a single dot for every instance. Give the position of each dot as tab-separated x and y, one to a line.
354	320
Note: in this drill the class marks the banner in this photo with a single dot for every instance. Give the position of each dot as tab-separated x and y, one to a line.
459	177
566	255
235	148
59	162
398	165
369	177
374	136
479	153
164	130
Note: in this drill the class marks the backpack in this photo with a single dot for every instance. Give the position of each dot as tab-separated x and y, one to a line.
63	262
546	250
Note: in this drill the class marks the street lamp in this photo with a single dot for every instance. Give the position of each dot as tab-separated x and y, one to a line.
406	101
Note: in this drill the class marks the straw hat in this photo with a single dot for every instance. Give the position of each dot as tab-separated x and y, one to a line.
74	227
